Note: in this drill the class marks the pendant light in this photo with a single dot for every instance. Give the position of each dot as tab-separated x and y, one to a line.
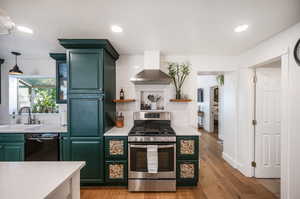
15	70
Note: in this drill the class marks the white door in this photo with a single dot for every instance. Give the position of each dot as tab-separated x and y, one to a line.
268	116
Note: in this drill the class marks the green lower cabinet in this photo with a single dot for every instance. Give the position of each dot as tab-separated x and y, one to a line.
187	172
116	172
89	150
115	147
187	147
12	152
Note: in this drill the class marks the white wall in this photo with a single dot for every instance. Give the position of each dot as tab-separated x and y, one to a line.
278	45
206	82
182	113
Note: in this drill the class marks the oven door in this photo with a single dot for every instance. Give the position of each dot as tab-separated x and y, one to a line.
137	166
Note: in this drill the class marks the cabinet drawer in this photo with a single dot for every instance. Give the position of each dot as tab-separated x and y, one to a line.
116	171
116	147
187	172
187	147
12	138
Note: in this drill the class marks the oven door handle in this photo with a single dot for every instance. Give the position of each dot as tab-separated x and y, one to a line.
159	146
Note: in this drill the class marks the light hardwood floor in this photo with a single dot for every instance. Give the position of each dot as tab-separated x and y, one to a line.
218	180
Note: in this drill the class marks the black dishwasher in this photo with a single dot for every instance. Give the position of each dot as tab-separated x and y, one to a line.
42	147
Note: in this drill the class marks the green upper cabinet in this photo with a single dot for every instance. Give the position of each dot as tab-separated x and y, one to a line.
86	70
61	77
85	115
89	68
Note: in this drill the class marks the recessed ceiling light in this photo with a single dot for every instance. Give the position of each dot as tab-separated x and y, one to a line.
241	28
116	28
25	29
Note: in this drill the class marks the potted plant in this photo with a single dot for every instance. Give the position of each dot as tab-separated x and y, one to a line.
178	73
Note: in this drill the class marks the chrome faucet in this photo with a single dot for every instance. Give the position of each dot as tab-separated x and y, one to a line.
29	120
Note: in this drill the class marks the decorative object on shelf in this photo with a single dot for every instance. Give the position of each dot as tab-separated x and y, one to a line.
120	120
122	95
178	73
180	100
220	79
297	52
15	70
123	101
153	99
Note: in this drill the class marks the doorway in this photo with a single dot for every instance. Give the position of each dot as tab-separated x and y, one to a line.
267	125
214	110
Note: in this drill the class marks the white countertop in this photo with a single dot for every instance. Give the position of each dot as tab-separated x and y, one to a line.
118	131
186	131
34	128
34	180
179	130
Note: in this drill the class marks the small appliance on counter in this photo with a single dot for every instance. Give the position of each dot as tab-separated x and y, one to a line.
152	153
120	120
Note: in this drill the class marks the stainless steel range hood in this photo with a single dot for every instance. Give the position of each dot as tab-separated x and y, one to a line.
151	73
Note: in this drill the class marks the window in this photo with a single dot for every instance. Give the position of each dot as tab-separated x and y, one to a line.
39	93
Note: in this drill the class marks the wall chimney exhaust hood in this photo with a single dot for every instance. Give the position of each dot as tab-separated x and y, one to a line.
151	73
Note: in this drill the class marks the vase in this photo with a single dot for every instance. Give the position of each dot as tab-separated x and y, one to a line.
178	94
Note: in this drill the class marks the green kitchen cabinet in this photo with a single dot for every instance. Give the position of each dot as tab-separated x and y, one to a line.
116	147
61	77
12	147
85	115
91	111
187	172
187	163
85	70
187	147
116	172
89	150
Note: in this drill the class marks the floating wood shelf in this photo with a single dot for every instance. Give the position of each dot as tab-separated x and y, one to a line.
123	100
180	100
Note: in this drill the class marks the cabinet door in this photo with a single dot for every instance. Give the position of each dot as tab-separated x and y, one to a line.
61	82
187	172
85	115
12	152
116	171
85	70
187	147
116	147
90	151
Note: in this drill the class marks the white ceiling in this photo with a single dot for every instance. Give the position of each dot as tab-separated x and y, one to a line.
173	26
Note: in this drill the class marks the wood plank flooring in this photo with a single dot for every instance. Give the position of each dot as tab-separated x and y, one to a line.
218	180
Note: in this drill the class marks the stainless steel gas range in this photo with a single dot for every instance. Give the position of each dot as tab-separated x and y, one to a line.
152	130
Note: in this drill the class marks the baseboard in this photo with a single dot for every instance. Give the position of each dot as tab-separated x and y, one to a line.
237	165
229	160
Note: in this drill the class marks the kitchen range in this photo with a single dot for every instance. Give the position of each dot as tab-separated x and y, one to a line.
152	153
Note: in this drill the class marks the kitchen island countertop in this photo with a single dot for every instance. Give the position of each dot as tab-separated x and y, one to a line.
37	180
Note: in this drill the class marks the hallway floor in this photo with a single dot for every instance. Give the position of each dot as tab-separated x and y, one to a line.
218	180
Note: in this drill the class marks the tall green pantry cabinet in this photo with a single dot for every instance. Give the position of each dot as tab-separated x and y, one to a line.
91	112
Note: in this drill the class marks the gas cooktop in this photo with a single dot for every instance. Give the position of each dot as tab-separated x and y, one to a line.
151	131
